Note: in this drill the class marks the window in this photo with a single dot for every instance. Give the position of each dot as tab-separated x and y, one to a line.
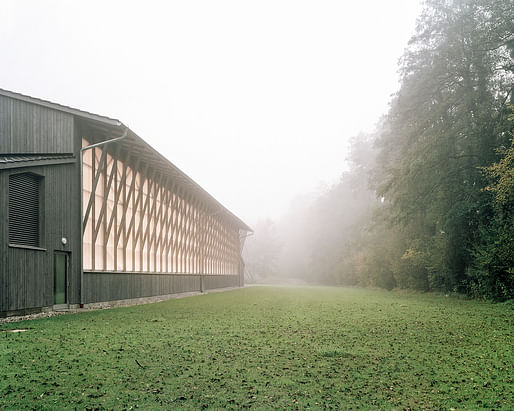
24	209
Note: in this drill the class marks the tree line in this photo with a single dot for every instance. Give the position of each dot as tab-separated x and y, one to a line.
428	201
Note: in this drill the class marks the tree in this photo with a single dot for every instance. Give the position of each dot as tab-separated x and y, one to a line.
444	124
492	273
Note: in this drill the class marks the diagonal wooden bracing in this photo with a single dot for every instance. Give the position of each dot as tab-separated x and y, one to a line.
137	219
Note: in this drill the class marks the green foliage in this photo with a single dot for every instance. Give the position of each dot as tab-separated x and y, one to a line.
412	270
265	348
501	175
492	273
444	126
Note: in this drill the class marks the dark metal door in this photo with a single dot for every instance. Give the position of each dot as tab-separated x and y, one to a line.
60	278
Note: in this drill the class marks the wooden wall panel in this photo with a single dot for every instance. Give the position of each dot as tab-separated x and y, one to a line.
4	283
29	128
212	282
101	287
27	276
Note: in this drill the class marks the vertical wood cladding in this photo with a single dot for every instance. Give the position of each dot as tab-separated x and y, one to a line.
29	128
26	275
5	287
120	286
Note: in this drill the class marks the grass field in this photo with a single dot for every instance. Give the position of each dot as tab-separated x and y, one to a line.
266	347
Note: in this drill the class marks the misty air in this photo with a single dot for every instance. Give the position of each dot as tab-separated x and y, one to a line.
266	205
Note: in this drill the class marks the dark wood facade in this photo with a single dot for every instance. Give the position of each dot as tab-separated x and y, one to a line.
45	139
31	128
27	275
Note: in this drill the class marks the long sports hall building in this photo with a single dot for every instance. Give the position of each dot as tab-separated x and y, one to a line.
90	213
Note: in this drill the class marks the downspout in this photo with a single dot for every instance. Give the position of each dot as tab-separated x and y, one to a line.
101	143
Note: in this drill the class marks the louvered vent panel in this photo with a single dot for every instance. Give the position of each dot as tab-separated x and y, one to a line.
24	209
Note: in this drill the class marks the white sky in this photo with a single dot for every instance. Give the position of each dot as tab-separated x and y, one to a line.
255	100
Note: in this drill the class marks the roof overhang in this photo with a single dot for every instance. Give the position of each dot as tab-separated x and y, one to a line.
34	160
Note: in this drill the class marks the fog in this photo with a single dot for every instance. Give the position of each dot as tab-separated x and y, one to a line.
256	101
316	240
425	199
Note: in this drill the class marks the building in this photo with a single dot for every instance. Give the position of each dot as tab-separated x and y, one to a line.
89	213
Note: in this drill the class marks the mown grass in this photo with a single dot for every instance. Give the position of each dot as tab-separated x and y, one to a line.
266	347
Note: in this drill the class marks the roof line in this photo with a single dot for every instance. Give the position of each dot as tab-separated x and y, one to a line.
33	160
60	107
116	123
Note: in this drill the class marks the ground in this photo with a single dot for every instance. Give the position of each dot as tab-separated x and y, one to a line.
266	347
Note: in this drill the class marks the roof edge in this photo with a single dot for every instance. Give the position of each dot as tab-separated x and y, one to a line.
117	123
60	107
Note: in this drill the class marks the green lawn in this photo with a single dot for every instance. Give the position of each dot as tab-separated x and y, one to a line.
266	347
